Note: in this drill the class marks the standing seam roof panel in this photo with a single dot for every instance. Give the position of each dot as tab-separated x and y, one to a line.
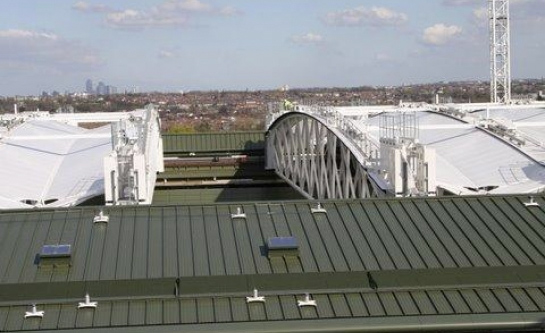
327	236
242	242
518	245
522	298
474	301
428	234
385	236
201	263
109	260
487	233
491	301
357	306
257	242
390	304
312	233
414	237
472	233
378	249
358	241
185	242
343	238
339	305
230	253
155	241
217	266
459	235
9	248
399	232
140	246
125	248
407	304
308	262
445	238
440	302
457	302
423	302
527	219
170	243
27	271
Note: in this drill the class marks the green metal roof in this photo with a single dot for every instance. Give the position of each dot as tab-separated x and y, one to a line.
206	196
369	311
414	261
236	142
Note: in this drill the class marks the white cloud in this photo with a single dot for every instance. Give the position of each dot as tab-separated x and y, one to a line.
40	49
16	34
133	18
185	5
527	11
362	16
164	54
168	13
461	2
440	34
384	58
308	38
85	7
480	17
229	11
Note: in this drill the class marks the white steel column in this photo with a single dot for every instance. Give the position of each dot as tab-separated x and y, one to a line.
500	51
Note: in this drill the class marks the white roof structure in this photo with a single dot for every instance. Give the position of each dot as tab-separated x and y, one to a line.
528	123
480	148
48	161
470	160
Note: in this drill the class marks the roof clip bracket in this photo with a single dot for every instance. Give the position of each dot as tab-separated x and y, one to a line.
87	304
239	214
307	301
255	298
531	203
101	218
318	209
34	313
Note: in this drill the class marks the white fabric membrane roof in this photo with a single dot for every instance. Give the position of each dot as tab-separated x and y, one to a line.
470	160
45	162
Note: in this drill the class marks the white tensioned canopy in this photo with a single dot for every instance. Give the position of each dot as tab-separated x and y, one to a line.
48	163
47	160
471	161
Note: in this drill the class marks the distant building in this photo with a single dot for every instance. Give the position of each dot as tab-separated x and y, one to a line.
89	87
102	89
111	90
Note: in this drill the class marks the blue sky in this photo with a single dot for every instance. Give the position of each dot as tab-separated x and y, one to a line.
173	45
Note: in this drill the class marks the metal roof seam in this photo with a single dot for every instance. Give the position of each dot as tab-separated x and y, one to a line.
499	248
431	226
526	245
367	217
392	246
353	231
454	228
414	240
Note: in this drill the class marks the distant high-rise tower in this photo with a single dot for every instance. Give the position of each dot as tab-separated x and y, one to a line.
89	87
500	51
101	89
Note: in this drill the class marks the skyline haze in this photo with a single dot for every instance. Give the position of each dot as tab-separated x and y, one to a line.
173	45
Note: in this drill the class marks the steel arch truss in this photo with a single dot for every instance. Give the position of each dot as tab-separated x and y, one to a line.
316	160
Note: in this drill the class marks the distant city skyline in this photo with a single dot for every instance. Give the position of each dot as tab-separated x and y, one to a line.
100	89
175	45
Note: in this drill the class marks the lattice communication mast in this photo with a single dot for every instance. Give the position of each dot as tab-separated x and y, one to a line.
500	51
